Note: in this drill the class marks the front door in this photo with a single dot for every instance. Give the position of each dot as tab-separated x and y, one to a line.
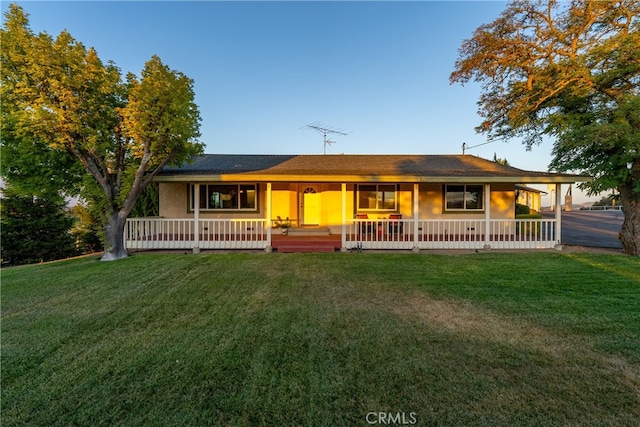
311	207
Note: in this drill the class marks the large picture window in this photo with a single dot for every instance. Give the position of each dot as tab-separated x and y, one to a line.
463	197
378	197
225	196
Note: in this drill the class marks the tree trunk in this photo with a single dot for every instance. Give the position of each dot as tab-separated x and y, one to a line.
114	233
630	233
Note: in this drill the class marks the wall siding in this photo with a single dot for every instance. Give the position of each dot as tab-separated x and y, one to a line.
286	203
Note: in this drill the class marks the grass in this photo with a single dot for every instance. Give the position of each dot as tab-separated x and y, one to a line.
539	339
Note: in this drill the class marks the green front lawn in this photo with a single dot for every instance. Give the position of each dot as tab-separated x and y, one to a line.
496	339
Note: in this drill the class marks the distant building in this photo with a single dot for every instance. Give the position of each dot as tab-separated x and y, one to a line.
529	196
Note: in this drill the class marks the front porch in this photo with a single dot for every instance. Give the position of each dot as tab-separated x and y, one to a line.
354	230
386	234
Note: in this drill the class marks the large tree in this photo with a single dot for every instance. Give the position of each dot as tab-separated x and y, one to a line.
60	99
569	70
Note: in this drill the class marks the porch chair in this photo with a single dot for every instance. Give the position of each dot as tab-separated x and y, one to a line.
395	226
364	227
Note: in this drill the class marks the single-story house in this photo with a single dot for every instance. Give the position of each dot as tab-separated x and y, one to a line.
414	202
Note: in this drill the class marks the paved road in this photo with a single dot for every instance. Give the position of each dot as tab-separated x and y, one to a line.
597	229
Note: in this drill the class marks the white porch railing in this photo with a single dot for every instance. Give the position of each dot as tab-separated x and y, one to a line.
451	234
523	233
164	233
379	234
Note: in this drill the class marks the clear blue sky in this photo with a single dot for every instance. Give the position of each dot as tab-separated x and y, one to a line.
264	70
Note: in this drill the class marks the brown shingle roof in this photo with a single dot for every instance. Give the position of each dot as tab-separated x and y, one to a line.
410	168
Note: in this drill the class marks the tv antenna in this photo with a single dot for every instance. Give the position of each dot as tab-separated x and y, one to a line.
324	130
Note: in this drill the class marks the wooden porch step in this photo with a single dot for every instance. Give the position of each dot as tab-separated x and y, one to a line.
306	244
308	231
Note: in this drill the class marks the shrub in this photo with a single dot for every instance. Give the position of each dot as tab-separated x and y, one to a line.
533	215
527	228
522	209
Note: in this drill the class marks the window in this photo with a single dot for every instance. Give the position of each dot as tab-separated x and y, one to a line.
379	197
225	196
463	197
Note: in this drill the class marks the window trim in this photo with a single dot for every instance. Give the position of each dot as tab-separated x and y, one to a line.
191	199
377	209
464	209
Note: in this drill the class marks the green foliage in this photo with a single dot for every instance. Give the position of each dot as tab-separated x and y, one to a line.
148	204
529	216
86	230
529	228
570	70
500	160
34	230
606	200
61	102
35	169
522	209
605	143
160	116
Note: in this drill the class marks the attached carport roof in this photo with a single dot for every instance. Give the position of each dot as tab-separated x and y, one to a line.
355	168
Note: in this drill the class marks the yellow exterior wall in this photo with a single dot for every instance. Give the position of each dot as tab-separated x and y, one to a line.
283	201
503	201
331	201
286	203
173	200
432	203
332	205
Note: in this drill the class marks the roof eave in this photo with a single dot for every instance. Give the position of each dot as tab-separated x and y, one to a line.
249	177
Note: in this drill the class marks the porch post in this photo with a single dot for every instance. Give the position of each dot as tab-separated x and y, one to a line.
487	216
558	215
343	230
196	218
268	248
416	216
